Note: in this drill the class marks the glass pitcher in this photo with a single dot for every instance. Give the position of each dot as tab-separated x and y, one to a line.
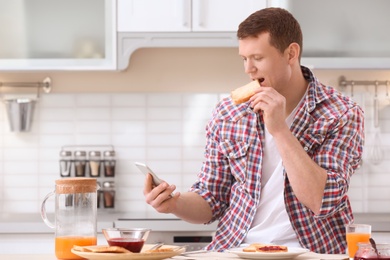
75	215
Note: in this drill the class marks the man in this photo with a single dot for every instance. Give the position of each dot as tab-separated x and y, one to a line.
277	168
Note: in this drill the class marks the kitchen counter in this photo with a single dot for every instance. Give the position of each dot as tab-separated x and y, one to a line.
203	256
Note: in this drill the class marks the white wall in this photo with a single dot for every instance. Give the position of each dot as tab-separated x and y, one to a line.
154	112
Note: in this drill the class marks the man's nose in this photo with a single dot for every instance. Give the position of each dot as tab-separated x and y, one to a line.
249	67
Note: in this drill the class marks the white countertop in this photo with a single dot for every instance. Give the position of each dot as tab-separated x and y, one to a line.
211	255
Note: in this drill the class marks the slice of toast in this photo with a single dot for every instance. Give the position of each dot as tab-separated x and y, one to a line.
244	93
101	249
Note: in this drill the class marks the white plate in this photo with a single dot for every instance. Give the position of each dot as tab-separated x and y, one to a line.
131	256
292	252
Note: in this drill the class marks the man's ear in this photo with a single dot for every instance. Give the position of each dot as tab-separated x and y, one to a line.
293	52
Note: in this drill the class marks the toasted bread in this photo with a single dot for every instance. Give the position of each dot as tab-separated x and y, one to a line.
265	248
271	249
101	249
252	247
244	93
160	250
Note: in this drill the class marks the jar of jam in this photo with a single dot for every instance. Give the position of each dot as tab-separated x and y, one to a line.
366	251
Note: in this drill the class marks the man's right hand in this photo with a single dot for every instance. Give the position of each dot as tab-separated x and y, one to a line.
160	197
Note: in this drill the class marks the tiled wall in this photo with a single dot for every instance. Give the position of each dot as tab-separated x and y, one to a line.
166	130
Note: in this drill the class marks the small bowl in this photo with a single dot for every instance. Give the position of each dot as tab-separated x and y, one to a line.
133	239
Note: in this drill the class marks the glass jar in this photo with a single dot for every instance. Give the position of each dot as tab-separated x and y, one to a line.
94	163
366	251
65	163
109	194
80	163
109	163
75	215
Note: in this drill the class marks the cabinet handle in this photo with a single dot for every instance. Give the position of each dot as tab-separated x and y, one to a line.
202	13
182	9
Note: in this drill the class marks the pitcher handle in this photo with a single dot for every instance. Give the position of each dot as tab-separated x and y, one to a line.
43	210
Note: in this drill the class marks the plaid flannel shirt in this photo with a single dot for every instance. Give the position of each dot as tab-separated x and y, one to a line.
330	128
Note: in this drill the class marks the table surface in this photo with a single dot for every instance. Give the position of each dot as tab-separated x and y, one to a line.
202	256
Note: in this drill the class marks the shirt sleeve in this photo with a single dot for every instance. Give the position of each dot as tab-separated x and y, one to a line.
340	153
214	180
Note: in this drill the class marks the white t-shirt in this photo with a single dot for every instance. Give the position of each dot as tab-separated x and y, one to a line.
271	223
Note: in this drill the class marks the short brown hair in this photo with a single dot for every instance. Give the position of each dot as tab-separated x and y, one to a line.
283	28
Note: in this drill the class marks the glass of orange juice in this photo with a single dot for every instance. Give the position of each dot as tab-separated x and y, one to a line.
356	233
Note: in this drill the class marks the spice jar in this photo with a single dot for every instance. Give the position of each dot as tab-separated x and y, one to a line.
94	163
65	163
109	194
366	251
109	163
80	163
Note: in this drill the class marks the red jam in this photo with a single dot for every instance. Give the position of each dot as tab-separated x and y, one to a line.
131	244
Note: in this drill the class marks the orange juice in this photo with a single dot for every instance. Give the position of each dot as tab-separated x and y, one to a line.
353	239
63	245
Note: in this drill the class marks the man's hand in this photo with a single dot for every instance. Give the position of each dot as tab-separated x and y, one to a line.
159	197
273	105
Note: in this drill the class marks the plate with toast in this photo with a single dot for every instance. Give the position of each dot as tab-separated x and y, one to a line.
105	252
267	251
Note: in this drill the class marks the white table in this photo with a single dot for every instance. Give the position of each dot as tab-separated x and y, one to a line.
203	256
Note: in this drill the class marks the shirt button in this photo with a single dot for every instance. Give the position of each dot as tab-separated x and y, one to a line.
231	154
306	148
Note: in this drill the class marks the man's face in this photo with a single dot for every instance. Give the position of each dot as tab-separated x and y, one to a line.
261	60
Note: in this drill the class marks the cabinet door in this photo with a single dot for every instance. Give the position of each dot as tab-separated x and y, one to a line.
57	35
154	15
222	15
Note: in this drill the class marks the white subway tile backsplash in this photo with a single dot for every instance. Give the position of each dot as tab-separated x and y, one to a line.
128	100
129	140
21	194
56	114
20	154
56	140
128	127
56	127
92	114
164	130
164	153
93	127
128	113
154	140
57	100
163	113
93	139
93	100
164	100
166	126
26	206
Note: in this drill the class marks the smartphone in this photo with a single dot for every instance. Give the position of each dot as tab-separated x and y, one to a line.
145	170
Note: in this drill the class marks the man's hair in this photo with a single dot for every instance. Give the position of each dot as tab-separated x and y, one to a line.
281	25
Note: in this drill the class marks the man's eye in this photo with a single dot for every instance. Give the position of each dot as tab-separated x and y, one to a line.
257	58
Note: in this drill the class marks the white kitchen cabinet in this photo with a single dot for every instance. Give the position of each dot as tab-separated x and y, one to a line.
179	23
57	35
184	15
154	15
348	34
